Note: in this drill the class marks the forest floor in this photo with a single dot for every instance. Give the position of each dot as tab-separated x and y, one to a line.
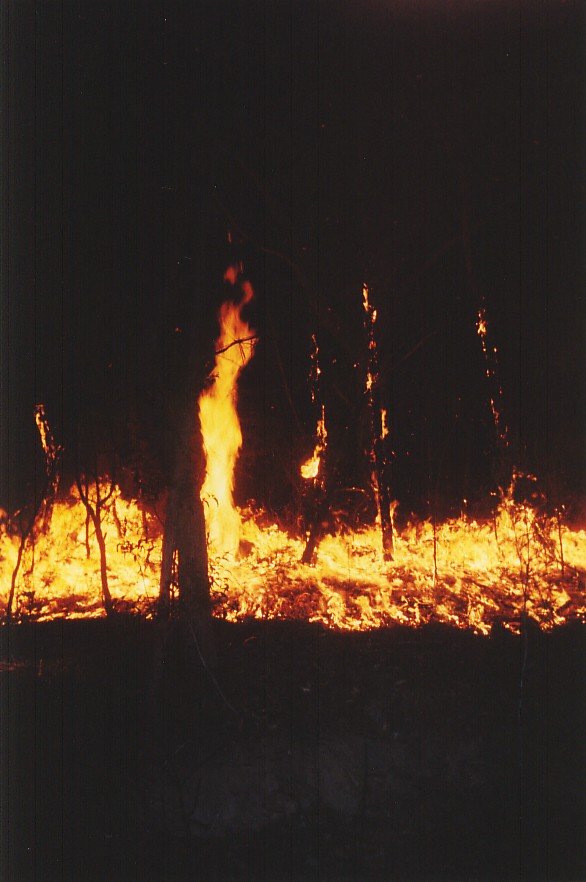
305	754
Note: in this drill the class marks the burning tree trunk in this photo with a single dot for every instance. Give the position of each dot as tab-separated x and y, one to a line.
209	477
313	471
378	433
45	498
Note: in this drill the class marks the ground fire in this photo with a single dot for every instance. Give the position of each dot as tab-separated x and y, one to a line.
520	561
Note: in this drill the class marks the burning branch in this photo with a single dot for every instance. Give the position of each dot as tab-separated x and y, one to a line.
313	470
52	453
496	393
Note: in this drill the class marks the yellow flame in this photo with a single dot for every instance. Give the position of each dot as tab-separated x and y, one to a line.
365	301
383	421
462	572
310	468
219	421
60	571
43	427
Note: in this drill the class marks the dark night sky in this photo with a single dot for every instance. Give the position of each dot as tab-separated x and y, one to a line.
433	149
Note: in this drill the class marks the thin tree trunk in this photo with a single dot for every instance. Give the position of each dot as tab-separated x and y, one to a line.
95	513
107	597
383	505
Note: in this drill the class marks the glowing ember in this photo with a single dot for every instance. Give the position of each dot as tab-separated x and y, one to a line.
490	357
45	433
220	425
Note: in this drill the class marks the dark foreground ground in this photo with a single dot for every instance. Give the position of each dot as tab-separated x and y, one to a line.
422	755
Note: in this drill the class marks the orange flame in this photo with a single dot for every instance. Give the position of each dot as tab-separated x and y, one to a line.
463	572
384	428
310	469
220	426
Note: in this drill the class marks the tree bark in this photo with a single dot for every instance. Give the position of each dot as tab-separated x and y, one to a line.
185	540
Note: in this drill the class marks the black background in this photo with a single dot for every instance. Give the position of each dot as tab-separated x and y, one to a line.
433	150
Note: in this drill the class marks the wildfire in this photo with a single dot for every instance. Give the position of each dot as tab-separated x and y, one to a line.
463	572
59	573
467	573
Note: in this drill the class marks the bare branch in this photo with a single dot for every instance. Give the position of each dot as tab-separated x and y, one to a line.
237	343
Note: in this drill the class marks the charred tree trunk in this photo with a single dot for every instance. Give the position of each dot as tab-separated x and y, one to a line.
184	540
382	498
317	524
184	567
378	433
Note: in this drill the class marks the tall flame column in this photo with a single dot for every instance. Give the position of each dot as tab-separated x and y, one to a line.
220	426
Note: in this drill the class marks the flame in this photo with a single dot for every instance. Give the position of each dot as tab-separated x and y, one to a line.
60	571
44	431
467	573
220	426
384	429
310	469
482	329
315	370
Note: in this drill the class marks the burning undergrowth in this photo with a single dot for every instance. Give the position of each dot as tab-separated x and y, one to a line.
94	550
461	572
